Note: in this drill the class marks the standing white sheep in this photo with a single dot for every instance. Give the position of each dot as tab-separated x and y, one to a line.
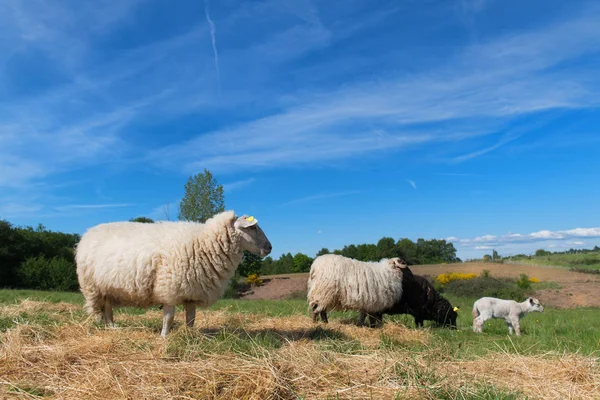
168	263
490	307
339	283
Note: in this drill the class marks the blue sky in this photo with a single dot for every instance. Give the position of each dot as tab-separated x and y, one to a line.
474	120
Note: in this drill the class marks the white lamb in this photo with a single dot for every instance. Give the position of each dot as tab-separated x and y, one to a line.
490	307
340	283
168	263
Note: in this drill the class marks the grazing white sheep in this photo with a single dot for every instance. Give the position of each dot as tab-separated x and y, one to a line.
490	307
341	283
168	263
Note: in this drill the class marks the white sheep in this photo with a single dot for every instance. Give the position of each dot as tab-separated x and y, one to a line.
341	283
168	263
511	311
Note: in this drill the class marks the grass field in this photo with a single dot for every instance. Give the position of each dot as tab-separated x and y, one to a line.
589	262
263	349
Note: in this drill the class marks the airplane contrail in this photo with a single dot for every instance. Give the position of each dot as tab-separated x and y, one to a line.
214	44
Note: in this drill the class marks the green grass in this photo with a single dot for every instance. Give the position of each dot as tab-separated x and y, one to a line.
12	296
588	262
554	330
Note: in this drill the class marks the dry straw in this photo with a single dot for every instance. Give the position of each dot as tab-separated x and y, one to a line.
73	359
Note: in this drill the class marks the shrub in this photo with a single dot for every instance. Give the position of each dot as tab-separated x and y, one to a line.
55	274
503	288
485	273
254	280
446	278
232	291
534	280
523	282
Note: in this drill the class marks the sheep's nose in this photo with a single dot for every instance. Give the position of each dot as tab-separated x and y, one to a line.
269	247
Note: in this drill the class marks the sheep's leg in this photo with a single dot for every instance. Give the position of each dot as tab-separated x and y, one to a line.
324	317
315	317
190	314
107	313
419	322
375	319
169	314
361	318
478	324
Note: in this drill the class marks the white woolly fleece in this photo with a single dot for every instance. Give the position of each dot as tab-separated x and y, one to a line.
337	282
162	263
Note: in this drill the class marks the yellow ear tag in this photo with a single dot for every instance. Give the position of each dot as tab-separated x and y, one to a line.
250	219
455	309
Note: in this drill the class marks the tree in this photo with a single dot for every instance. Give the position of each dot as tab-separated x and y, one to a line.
144	220
541	253
203	198
251	264
323	251
495	255
386	248
301	263
407	250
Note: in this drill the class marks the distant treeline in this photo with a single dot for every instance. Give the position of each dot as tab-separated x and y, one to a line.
42	259
37	258
420	252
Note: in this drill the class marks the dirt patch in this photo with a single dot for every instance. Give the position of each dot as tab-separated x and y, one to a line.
577	289
278	288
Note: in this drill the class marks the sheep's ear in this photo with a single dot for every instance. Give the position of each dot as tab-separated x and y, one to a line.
245	221
531	301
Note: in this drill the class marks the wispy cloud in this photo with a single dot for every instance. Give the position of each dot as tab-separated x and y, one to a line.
93	206
412	183
457	174
496	82
318	197
231	186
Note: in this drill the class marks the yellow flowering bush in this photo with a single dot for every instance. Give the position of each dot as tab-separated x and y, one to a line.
254	280
533	280
446	278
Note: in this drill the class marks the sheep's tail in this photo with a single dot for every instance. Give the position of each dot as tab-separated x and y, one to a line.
475	311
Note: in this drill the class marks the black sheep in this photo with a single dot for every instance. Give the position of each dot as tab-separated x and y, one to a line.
422	301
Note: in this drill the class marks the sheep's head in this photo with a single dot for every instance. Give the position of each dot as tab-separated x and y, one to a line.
449	317
534	305
252	238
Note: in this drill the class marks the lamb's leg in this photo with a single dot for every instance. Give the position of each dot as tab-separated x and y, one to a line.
107	313
315	316
324	317
510	327
169	314
190	314
517	327
478	324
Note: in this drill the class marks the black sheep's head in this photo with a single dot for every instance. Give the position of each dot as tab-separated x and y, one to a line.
447	316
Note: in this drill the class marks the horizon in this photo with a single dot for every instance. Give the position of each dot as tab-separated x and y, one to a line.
473	121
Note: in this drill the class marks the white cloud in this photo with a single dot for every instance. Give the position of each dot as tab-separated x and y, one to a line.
534	237
412	183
